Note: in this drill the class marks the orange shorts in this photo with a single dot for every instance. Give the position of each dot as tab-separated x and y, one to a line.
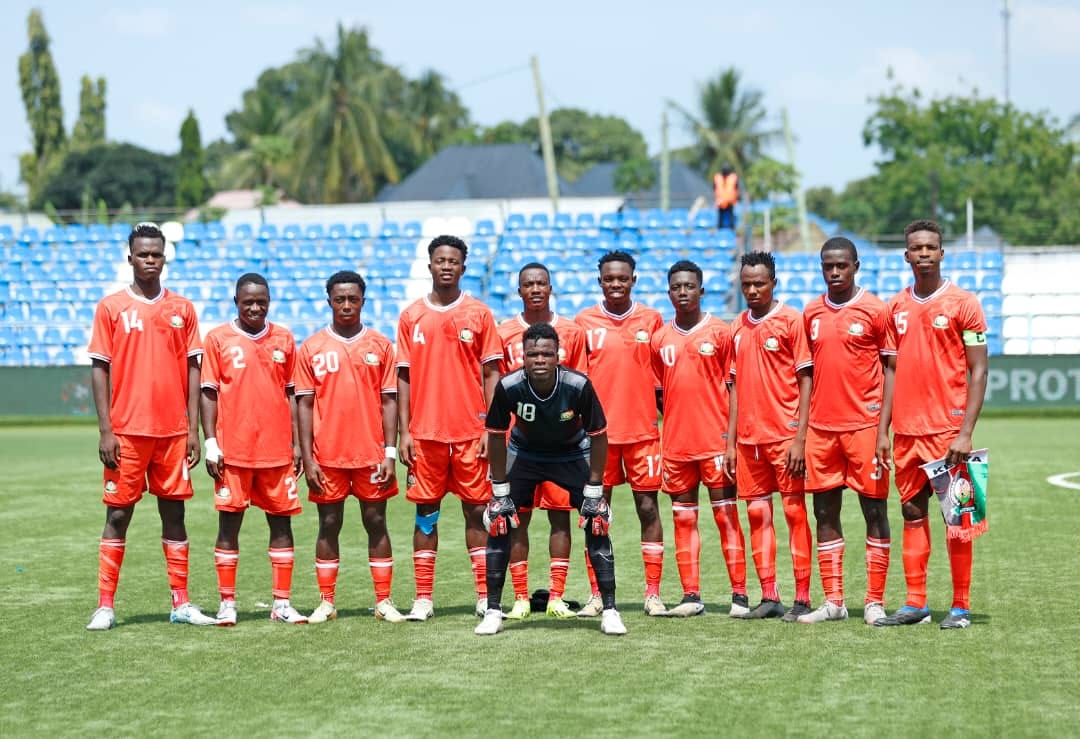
637	463
909	452
682	477
761	469
845	459
339	483
551	497
272	489
161	461
442	467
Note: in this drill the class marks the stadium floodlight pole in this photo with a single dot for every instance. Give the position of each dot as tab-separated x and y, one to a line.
665	164
800	195
546	147
970	224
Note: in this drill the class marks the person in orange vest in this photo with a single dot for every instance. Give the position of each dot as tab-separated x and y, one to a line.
726	191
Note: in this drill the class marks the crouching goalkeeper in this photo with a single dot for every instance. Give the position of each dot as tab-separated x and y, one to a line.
559	435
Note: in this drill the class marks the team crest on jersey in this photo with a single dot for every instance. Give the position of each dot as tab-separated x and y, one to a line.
371	358
772	344
466	335
278	356
567	415
642	336
856	329
940	322
706	349
176	322
222	493
110	488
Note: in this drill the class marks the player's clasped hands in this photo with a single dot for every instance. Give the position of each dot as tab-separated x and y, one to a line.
595	511
500	510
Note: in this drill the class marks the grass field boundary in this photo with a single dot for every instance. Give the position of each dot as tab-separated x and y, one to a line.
1063	481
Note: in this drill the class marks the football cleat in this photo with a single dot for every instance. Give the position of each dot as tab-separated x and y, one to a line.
611	623
593	607
766	609
286	614
422	610
800	608
385	610
654	606
325	611
103	619
690	605
873	612
906	616
958	618
189	613
827	611
521	610
557	608
481	607
226	613
491	625
740	605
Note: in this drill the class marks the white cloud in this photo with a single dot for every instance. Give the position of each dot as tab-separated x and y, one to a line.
1053	29
144	22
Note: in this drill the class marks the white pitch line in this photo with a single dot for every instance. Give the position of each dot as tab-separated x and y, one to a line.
1062	480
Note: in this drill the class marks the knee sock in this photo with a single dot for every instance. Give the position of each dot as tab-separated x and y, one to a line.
326	572
519	577
726	515
594	589
916	557
176	564
496	559
652	554
558	569
424	568
800	542
225	563
687	545
382	576
960	558
877	568
281	567
830	558
478	558
110	559
763	545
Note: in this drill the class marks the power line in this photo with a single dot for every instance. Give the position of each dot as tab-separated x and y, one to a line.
494	76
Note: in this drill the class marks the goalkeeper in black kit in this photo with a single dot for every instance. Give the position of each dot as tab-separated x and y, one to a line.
559	435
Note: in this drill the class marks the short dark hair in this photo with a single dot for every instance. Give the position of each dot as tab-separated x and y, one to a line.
685	265
145	230
534	265
539	331
251	278
922	225
758	258
447	240
346	277
617	256
839	243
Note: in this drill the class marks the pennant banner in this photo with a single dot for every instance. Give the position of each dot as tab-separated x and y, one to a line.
961	491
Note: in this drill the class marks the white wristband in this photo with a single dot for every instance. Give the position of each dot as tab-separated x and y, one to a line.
594	491
213	451
391	452
500	489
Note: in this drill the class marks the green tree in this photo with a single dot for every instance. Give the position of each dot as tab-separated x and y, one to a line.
766	177
40	86
89	129
634	175
262	164
823	201
191	187
115	173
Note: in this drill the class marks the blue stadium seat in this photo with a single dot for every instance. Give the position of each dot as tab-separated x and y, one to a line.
650	282
291	231
61	314
994	346
267	232
705	218
539	222
993	325
677	218
52	337
869	262
991	282
84	314
215	231
514	222
412	229
562	222
389	230
52	235
991	304
314	231
338	231
29	235
966	282
630	219
869	282
585	221
359	231
75	336
894	262
119	231
891	284
195	231
795	302
967	261
654	220
992	261
795	284
75	233
484	227
7	233
242	231
628	241
609	221
97	232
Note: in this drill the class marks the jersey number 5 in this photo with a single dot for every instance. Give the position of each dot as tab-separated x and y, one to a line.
901	322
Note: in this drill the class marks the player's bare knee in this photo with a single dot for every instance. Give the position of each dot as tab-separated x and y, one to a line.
116	522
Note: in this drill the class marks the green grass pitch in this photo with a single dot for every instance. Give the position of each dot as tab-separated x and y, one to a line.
1015	672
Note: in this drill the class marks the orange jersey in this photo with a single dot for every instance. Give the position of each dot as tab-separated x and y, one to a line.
348	378
620	367
445	348
146	344
931	361
769	352
571	344
250	374
847	342
693	367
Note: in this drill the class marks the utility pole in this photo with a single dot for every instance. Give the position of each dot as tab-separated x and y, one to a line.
665	164
1005	14
800	196
546	147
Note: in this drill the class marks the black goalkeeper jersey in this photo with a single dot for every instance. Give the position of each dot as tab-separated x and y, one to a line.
553	428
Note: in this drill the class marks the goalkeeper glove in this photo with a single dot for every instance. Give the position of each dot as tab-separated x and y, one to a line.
595	511
500	510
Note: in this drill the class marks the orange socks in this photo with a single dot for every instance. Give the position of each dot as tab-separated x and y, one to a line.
225	562
558	570
877	568
801	543
652	553
916	557
687	545
594	587
176	564
424	567
960	557
478	557
519	576
281	566
110	558
763	545
326	572
830	559
382	576
726	515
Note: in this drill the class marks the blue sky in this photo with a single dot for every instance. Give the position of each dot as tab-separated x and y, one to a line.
819	60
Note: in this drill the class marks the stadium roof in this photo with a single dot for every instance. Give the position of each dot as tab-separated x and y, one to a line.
686	184
481	171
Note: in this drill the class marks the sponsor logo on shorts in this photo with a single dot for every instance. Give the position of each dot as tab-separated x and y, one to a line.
956	412
642	336
176	322
940	322
222	493
110	488
856	329
371	358
793	424
772	344
567	415
706	349
410	480
278	356
467	335
874	407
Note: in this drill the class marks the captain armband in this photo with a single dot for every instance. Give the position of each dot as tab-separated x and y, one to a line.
974	338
